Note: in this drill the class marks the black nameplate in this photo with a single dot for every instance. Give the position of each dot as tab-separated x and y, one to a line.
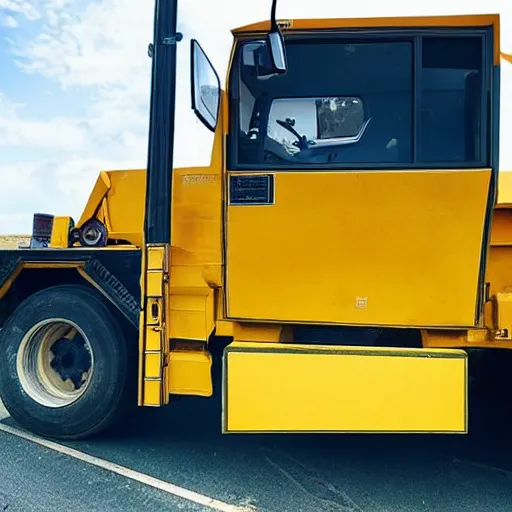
257	189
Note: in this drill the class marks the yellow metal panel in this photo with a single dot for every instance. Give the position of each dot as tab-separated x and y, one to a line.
191	302
153	339
188	325
294	388
156	257
154	284
191	316
363	248
188	276
101	187
125	202
197	211
481	338
153	368
118	197
152	393
197	246
60	232
189	373
264	333
224	328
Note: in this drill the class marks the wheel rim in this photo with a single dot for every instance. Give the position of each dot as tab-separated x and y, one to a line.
55	363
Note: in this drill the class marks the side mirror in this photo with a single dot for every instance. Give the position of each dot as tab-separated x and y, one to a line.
277	50
205	84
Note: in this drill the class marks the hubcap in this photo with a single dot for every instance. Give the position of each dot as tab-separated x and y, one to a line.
55	363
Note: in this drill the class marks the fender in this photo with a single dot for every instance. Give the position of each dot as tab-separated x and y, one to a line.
113	272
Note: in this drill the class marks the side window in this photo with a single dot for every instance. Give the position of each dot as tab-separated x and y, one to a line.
417	101
450	115
338	102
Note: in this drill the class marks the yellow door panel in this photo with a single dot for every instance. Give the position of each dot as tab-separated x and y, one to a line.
294	388
369	248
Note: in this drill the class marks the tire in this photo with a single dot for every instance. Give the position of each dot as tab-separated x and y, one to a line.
73	387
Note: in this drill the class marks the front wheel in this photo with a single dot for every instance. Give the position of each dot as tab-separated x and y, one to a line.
67	370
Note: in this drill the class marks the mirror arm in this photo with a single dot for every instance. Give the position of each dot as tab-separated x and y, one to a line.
276	43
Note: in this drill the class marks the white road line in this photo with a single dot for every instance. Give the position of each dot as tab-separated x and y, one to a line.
167	487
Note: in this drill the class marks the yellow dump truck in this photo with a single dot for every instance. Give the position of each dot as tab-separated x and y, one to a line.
343	253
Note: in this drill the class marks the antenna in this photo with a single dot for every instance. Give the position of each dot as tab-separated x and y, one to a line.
273	19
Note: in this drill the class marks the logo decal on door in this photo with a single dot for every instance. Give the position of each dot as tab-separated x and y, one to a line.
361	302
251	190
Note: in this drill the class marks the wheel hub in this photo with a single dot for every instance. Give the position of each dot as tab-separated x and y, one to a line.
55	363
71	360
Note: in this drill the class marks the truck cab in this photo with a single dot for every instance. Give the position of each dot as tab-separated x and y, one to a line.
344	247
361	181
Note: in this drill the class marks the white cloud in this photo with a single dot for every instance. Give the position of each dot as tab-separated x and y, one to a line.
60	133
102	46
59	186
23	189
99	48
22	7
8	21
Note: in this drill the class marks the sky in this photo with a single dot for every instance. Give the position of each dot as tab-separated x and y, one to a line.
74	87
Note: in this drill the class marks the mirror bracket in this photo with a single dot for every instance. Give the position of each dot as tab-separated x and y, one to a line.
275	43
167	41
172	40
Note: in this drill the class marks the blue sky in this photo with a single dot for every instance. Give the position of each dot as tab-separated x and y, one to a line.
74	87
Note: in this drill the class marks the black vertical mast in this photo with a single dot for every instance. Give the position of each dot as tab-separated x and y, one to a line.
157	223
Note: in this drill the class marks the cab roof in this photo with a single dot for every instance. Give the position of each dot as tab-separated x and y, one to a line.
466	20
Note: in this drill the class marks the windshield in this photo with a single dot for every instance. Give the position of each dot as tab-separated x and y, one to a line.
368	102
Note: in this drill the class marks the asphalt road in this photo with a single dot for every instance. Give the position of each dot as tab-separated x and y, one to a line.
182	444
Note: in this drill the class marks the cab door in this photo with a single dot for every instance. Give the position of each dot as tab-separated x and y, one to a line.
360	183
